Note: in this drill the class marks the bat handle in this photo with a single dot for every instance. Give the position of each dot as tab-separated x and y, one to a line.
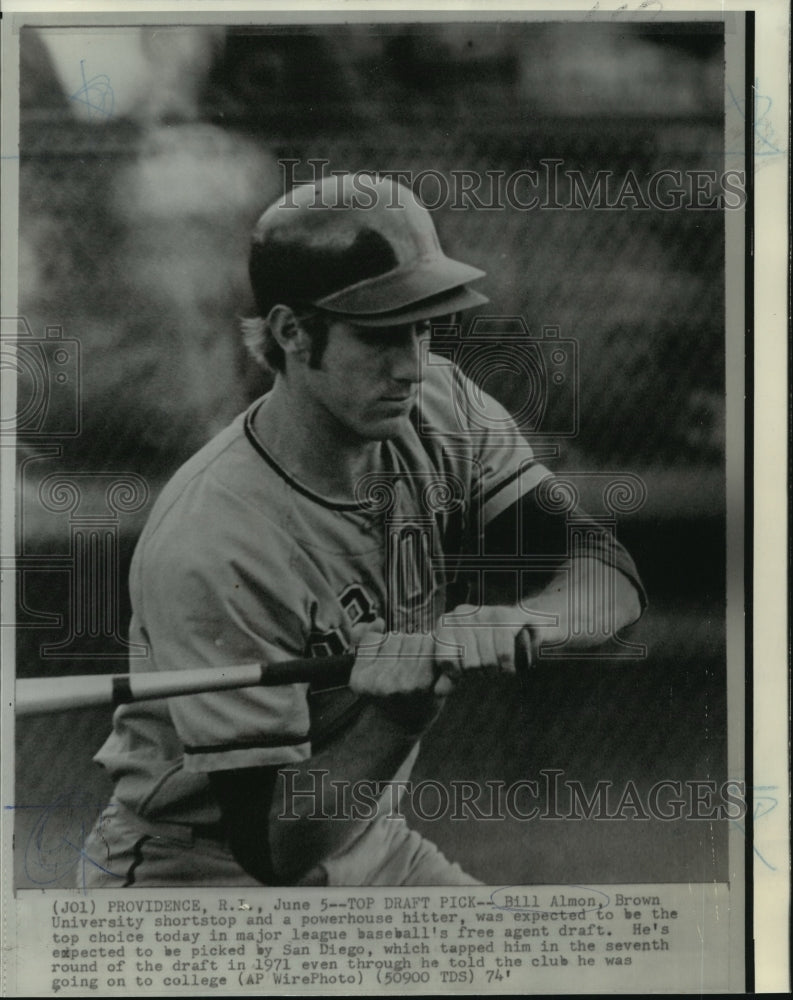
328	670
524	651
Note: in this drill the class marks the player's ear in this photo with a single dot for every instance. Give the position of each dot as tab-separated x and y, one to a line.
289	333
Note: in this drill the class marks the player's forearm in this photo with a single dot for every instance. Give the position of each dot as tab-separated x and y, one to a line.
585	604
322	804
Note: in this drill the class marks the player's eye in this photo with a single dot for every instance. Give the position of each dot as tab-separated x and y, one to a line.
440	322
390	336
371	335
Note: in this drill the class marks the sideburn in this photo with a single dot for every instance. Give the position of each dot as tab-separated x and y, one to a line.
317	329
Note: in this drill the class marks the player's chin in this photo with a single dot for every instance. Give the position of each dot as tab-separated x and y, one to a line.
383	425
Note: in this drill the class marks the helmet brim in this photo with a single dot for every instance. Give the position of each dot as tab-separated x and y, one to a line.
453	300
402	287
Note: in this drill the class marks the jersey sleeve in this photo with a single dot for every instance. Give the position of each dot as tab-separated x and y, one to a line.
503	464
504	476
215	594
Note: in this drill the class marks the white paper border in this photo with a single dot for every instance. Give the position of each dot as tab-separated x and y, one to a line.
770	757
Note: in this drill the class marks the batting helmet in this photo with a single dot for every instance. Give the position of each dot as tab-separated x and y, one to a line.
359	246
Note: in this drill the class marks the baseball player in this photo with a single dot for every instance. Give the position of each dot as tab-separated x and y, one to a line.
330	516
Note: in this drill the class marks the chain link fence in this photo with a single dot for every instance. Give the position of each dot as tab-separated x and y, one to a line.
133	234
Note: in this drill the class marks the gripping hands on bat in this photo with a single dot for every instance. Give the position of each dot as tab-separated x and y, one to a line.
471	638
389	666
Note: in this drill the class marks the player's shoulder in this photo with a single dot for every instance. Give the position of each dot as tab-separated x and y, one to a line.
217	491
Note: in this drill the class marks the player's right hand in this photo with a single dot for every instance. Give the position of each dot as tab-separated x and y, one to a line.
396	663
480	638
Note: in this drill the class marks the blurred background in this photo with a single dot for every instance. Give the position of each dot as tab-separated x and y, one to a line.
146	155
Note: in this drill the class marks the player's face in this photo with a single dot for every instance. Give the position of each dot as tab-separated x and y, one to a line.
368	377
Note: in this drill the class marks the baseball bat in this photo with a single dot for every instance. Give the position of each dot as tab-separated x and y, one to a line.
54	694
41	695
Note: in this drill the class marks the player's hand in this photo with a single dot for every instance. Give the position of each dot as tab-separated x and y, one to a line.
472	638
399	670
394	663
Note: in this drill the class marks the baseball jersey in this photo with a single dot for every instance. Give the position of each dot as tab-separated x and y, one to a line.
239	562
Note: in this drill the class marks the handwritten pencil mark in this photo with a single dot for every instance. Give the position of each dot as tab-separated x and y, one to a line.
765	140
95	94
54	846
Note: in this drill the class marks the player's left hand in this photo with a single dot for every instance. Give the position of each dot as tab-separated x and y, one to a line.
398	671
478	638
393	664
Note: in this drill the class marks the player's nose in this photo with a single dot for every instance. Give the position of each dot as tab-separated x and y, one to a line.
406	356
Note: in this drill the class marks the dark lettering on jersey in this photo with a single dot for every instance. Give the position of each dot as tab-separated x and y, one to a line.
359	608
329	643
411	577
357	604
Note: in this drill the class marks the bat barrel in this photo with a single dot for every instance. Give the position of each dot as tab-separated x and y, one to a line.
54	694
